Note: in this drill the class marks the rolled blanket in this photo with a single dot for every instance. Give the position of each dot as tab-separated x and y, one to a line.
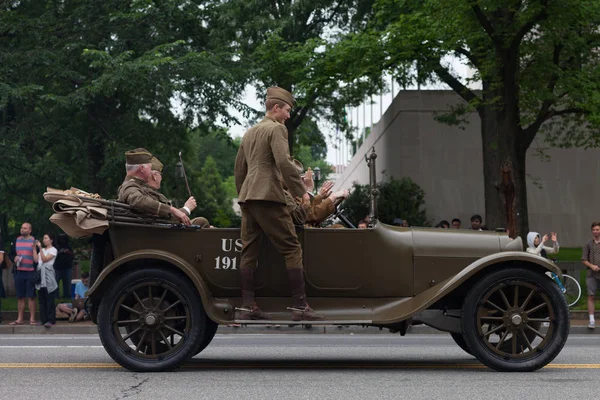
81	214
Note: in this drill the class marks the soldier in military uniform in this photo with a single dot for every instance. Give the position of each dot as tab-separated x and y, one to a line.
262	163
155	182
141	197
321	205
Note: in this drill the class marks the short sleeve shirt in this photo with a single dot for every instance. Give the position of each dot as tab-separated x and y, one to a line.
80	289
591	253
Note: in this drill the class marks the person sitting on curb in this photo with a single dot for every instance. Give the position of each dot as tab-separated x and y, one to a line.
76	310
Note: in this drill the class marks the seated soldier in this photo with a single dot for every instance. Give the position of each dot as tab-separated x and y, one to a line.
323	204
142	198
190	204
298	208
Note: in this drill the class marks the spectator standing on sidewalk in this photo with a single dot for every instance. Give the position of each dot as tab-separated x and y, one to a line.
63	265
47	288
24	256
591	259
477	223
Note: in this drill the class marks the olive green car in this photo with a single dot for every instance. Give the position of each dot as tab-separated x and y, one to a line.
159	292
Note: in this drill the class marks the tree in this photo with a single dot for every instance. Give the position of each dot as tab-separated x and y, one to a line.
283	42
83	81
217	143
212	198
398	198
537	62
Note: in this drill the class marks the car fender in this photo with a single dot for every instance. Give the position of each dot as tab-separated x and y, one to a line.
170	258
495	259
411	306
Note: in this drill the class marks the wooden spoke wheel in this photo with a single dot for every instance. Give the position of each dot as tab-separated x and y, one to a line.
151	320
515	320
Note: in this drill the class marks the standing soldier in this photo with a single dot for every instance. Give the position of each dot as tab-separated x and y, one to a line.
262	163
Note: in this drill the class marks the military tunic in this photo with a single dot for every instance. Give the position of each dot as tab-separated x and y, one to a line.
143	199
146	200
261	165
319	210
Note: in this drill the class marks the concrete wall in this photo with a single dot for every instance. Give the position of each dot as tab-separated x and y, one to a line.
447	163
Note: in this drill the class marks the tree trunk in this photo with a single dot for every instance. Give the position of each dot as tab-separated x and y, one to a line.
504	170
291	128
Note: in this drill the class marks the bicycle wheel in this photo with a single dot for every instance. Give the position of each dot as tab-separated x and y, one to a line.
572	289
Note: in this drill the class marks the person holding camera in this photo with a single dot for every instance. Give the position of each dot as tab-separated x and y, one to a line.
47	286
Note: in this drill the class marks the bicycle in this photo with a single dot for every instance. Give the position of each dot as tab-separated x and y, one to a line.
569	286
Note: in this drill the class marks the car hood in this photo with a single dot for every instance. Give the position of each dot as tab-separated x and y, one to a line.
471	244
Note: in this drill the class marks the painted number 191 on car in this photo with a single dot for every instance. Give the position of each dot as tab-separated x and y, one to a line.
228	262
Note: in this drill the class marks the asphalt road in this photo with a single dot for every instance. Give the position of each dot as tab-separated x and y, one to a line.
291	367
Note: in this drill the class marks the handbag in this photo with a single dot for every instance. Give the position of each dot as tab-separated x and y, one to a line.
38	276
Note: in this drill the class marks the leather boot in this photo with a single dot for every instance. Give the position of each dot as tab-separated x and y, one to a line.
253	313
301	310
249	309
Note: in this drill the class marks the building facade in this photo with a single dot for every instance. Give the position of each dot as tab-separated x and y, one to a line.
446	162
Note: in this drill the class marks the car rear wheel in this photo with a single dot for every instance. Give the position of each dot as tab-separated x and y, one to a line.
151	320
209	334
502	317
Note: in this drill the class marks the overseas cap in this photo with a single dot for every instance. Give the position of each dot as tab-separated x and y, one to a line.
138	156
277	93
156	164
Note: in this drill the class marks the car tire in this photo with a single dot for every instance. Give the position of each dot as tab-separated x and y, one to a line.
209	334
505	304
151	320
460	341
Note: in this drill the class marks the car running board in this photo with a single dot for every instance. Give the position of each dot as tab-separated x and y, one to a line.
303	322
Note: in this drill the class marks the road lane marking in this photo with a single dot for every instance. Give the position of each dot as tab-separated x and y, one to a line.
281	366
53	347
58	365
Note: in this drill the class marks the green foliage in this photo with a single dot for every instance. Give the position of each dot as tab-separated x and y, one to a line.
401	198
283	43
217	143
305	156
356	206
83	81
211	196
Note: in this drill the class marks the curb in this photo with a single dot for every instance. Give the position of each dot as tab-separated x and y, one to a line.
87	328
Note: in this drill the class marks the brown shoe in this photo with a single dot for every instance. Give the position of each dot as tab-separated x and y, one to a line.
305	314
252	313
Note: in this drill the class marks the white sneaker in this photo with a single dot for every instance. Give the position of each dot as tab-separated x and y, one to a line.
592	324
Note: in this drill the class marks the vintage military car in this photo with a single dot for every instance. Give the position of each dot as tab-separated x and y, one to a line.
159	291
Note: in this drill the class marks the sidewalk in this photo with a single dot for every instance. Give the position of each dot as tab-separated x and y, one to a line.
578	327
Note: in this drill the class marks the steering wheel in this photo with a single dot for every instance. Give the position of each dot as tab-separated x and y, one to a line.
339	214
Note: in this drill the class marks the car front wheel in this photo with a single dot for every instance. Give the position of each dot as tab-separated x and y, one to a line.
151	320
503	317
460	341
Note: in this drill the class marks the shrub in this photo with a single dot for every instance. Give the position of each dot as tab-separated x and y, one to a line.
398	198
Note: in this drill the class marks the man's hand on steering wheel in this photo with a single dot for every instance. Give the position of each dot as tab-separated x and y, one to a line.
339	196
